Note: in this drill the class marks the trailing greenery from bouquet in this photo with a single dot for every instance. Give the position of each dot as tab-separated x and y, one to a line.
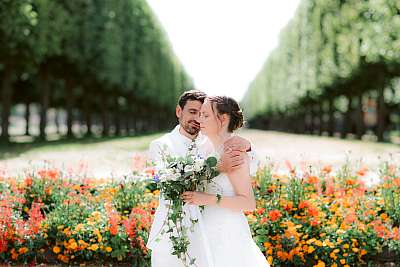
190	173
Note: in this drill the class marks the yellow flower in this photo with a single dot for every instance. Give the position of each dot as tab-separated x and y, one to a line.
270	259
311	249
320	264
56	249
73	245
108	249
342	261
346	246
318	243
310	241
79	227
93	247
156	192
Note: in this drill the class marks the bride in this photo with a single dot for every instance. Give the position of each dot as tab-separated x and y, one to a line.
228	196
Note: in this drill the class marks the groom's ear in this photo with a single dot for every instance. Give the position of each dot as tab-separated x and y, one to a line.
178	111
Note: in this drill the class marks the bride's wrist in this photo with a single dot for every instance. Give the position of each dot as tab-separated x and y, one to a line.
217	199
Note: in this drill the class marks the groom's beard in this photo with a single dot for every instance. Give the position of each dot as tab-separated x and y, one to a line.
192	127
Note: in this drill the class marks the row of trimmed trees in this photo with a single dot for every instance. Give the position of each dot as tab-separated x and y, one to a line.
109	61
336	63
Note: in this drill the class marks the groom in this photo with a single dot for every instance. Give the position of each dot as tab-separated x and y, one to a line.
177	143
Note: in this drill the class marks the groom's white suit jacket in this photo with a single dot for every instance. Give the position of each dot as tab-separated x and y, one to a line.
177	144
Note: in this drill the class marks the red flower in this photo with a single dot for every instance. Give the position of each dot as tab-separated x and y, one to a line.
113	218
260	211
312	211
35	218
5	222
304	204
274	215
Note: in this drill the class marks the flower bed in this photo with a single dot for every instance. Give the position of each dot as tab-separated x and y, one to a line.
49	218
314	219
320	219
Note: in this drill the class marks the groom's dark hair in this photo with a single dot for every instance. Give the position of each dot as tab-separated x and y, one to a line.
194	95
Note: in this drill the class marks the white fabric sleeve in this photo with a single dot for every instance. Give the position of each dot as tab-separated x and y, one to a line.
155	153
254	161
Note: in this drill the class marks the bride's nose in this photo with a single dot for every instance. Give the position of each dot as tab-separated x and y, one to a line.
200	119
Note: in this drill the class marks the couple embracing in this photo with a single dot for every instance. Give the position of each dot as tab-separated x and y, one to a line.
221	237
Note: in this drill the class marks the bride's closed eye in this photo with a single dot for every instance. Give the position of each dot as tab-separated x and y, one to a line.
202	114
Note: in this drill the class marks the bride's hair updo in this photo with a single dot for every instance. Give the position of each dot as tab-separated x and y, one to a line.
227	105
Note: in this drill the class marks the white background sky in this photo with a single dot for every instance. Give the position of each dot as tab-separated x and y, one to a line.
223	43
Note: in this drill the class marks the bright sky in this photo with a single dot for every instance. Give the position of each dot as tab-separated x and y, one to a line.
223	43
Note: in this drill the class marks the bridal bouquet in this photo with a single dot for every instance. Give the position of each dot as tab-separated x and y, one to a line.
190	173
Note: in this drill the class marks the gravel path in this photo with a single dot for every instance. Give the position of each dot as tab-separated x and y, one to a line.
116	157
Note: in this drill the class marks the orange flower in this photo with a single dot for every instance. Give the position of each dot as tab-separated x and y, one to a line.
312	179
396	181
327	169
362	171
28	181
56	250
274	215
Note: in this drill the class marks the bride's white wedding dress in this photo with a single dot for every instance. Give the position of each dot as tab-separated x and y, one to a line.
221	238
228	232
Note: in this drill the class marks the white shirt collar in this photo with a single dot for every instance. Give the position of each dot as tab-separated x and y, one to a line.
185	139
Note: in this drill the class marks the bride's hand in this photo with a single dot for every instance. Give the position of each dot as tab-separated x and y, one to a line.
197	198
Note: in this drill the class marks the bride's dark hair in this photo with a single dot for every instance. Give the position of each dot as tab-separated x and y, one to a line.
227	105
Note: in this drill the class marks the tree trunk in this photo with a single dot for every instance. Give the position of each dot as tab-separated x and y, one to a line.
347	118
117	116
45	99
104	113
381	115
27	117
6	98
127	124
360	117
88	113
70	85
321	117
331	121
312	118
